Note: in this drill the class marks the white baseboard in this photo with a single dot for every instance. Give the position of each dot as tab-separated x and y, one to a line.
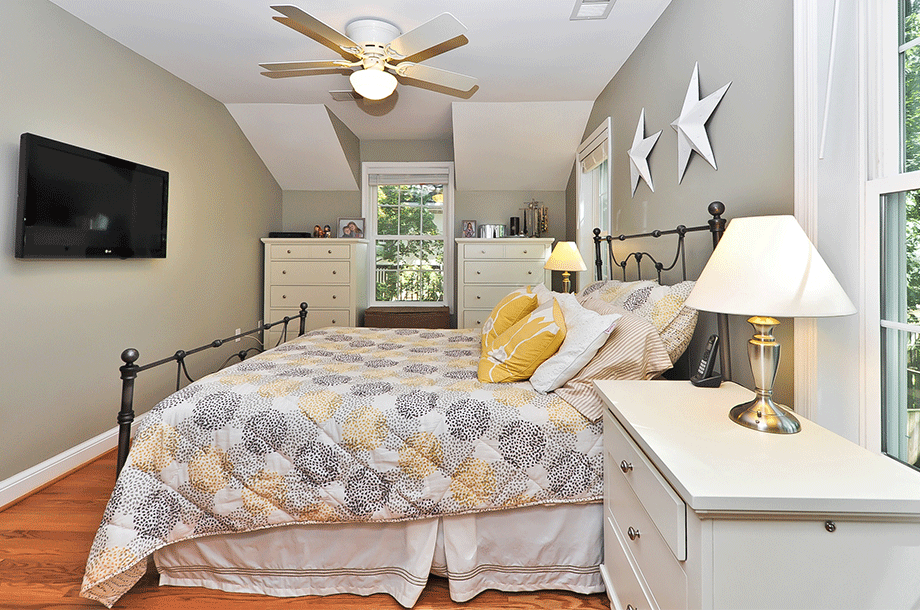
24	483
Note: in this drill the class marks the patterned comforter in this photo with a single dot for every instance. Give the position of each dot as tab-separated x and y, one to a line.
339	425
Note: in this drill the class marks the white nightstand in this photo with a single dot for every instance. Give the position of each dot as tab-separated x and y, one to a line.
703	513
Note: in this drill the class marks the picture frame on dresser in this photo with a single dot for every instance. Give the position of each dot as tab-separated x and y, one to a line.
350	228
468	228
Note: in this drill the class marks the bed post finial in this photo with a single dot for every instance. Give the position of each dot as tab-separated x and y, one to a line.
598	262
717	225
126	414
303	319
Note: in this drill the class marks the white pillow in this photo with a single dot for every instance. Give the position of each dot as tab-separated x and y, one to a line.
586	332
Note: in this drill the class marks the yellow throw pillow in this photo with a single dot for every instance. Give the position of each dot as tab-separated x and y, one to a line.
516	305
516	353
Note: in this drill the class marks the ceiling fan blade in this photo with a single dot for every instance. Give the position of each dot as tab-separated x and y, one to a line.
440	29
304	65
436	76
310	26
292	73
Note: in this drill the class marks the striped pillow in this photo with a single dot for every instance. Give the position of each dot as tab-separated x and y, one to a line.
516	353
633	351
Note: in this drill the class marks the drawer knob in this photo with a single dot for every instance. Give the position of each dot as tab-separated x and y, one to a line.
478	297
333	272
482	251
631	607
283	272
530	273
830	526
333	297
525	251
625	466
478	272
283	296
633	533
288	251
329	251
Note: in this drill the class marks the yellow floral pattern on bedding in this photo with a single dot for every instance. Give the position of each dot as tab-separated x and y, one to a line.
343	424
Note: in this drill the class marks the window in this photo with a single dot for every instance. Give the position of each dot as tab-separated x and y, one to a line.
409	211
896	193
593	186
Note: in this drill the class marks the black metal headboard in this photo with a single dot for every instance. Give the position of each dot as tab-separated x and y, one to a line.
716	226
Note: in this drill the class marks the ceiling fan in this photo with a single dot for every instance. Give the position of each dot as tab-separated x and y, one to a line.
377	49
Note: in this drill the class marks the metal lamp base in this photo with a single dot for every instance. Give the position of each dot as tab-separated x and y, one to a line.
766	416
762	413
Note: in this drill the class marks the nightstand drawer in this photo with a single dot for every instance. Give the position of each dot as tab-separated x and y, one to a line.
313	296
309	272
630	590
664	506
652	556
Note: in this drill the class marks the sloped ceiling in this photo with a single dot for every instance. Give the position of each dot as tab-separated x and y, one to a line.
530	145
521	51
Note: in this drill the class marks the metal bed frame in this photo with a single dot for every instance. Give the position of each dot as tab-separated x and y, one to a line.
130	370
716	226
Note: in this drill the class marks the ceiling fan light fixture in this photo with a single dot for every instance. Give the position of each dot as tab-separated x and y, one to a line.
373	83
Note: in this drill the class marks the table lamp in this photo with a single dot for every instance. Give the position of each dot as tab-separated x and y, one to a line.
766	266
565	258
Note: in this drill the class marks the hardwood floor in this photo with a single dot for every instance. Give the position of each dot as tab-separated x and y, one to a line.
44	541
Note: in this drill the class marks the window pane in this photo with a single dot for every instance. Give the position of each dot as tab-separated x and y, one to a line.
901	257
910	24
910	101
901	395
410	219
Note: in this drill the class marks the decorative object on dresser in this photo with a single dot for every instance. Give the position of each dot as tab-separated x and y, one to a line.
468	227
767	266
536	219
692	518
331	276
488	269
565	258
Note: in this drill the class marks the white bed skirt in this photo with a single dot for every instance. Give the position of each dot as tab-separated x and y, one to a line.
524	549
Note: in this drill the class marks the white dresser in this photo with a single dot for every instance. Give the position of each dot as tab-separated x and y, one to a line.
703	513
330	275
488	269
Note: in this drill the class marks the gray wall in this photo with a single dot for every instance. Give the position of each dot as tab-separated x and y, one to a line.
64	323
749	43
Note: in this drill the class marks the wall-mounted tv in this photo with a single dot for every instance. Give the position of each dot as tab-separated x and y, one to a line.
76	203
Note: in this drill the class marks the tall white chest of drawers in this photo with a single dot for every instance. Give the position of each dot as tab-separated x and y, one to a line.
329	275
703	513
488	269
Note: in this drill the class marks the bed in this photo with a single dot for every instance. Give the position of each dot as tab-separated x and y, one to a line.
360	460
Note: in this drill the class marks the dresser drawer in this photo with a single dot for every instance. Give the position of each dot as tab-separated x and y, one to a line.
525	250
629	589
309	272
518	273
652	557
485	295
629	464
315	319
314	296
313	251
473	318
483	251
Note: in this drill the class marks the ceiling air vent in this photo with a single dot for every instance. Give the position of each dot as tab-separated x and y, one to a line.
591	9
345	96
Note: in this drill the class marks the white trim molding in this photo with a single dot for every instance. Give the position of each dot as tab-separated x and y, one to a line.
25	483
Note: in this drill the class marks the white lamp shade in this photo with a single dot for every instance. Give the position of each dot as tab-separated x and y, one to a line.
767	266
565	257
373	83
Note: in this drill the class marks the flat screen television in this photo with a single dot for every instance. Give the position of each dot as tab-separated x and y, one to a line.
76	203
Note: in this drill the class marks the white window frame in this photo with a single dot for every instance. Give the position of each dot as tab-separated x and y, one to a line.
593	151
884	138
369	211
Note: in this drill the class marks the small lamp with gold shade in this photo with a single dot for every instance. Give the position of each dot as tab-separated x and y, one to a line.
565	258
767	266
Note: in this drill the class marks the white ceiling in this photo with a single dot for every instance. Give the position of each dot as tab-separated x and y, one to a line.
538	75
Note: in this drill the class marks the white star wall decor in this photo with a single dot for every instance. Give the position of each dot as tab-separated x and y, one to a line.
691	124
638	155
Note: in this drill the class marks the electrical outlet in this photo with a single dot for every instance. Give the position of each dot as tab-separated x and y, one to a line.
238	331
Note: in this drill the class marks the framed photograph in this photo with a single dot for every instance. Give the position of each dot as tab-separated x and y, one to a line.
468	228
350	227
